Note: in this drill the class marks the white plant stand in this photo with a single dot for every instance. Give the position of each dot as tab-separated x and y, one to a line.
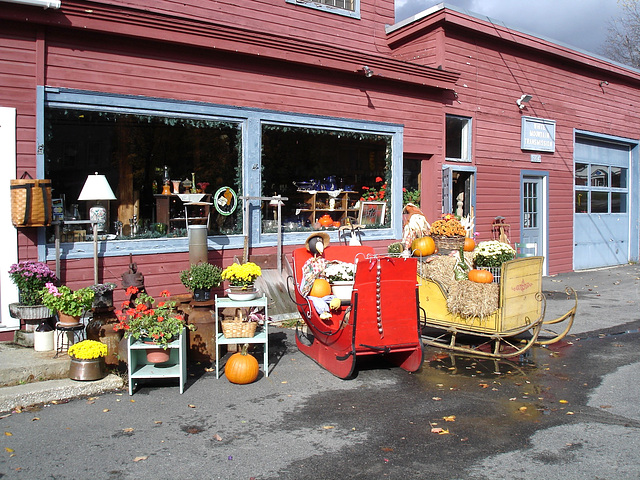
175	367
261	337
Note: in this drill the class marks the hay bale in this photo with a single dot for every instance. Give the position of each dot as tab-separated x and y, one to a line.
471	299
439	268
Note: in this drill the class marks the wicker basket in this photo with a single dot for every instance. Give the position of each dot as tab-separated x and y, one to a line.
30	202
446	245
237	328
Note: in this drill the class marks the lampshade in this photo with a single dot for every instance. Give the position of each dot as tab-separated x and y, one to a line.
96	187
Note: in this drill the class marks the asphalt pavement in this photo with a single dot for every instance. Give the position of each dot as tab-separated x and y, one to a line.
568	411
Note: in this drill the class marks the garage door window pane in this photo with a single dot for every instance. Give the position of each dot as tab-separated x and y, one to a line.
582	201
618	177
599	176
599	202
618	202
582	172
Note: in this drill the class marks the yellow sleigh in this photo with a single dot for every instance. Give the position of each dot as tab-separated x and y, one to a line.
511	330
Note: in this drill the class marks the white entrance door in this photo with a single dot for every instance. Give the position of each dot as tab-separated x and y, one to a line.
9	239
533	215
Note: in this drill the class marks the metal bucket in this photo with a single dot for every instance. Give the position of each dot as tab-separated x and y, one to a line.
198	251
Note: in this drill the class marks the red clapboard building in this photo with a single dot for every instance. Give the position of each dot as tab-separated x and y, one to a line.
312	101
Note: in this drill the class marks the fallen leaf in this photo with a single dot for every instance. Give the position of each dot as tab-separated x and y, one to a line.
569	413
191	405
386	449
105	410
35	418
8	434
209	369
606	406
328	427
513	399
523	409
450	418
436	430
127	430
158	422
483	385
217	437
563	401
91	399
132	401
437	399
7	449
143	457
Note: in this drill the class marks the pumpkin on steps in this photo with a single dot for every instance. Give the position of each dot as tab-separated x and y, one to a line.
241	368
480	276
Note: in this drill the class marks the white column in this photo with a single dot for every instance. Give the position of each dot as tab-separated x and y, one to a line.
9	237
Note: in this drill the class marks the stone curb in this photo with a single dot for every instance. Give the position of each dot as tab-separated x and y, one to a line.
54	390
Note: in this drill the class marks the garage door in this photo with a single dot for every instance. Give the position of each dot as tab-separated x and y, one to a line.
601	201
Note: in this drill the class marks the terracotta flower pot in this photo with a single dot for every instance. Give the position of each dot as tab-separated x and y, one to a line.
158	355
66	320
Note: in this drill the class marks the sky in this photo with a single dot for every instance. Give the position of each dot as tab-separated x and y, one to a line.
578	23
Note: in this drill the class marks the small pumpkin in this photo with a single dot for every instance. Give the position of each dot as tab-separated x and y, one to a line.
321	288
423	246
242	368
469	244
480	276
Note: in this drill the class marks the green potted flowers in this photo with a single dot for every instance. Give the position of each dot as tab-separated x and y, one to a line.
87	360
241	278
153	322
200	279
69	304
490	255
30	278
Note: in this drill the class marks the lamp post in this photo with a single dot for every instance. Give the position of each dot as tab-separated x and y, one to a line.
96	188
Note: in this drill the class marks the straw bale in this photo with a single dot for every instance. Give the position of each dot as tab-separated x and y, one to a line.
471	299
439	268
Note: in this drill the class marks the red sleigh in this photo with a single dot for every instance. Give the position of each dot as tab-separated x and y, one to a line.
381	320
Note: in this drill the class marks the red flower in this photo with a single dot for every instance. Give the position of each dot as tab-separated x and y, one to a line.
378	179
165	293
161	304
131	290
404	189
141	307
160	319
365	188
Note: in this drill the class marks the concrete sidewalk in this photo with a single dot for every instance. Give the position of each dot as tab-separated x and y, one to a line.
608	298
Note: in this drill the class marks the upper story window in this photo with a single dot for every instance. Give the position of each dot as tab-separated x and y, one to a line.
348	8
458	139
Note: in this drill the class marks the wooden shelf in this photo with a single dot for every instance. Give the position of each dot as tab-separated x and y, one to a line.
339	211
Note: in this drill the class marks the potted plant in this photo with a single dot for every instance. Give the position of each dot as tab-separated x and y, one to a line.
103	295
69	304
30	278
241	278
340	276
491	254
87	360
448	234
153	322
200	279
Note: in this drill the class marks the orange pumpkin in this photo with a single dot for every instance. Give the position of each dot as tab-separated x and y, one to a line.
480	276
469	245
423	246
241	368
321	288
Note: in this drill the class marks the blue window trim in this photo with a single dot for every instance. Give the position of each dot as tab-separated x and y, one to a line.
250	121
328	8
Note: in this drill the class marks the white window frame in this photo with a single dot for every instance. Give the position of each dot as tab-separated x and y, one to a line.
465	136
355	13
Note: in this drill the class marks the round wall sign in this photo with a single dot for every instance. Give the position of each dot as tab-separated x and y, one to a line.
225	201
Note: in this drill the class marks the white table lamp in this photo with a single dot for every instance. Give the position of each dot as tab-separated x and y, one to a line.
97	188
